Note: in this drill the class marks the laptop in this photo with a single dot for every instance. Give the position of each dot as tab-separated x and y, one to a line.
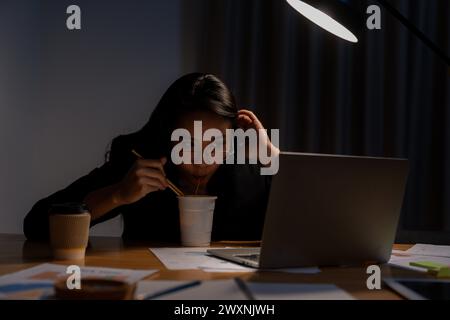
328	210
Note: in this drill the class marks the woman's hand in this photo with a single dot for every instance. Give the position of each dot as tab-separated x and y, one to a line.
144	177
248	120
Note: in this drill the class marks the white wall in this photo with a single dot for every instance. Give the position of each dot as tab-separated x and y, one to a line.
64	95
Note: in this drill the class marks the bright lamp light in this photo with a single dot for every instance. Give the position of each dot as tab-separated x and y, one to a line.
323	20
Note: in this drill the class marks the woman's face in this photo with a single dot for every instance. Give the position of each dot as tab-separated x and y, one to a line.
198	175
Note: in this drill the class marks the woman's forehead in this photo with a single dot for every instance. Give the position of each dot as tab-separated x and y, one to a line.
209	120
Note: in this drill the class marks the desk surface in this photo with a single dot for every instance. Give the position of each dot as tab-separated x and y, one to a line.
17	254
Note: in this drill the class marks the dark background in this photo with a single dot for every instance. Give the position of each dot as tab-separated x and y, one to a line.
388	95
64	95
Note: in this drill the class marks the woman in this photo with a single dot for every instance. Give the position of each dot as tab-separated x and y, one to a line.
137	188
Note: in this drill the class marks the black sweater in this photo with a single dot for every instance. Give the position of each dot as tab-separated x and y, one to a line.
239	214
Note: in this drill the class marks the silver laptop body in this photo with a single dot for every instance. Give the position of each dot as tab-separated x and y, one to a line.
327	210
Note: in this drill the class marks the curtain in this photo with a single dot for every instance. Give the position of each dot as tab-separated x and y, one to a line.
388	95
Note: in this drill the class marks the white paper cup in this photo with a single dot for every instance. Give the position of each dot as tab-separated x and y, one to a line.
196	218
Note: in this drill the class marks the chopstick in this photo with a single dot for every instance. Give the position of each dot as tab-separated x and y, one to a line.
175	189
172	187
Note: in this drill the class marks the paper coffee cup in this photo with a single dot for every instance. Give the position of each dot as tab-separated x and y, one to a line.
196	219
69	231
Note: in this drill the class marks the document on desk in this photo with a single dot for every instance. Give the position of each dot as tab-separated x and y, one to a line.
403	259
38	281
430	250
199	259
195	258
229	290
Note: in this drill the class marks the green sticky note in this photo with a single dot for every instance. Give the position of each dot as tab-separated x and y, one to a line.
444	273
429	265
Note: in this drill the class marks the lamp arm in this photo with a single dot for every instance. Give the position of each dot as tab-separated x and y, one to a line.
413	29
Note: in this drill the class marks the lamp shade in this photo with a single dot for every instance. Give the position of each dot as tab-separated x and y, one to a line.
335	16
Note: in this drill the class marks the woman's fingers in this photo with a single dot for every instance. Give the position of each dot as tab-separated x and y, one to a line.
154	164
244	118
144	177
152	173
250	119
244	122
150	184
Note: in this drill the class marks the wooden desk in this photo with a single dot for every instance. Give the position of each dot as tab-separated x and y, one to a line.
17	254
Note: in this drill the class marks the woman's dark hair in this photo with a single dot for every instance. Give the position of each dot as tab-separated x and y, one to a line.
192	92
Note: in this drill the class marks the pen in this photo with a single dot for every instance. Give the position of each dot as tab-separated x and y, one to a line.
243	286
172	290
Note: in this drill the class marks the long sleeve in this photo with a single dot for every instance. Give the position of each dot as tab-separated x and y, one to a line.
36	226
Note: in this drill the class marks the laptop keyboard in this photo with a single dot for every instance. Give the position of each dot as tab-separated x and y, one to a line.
251	257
